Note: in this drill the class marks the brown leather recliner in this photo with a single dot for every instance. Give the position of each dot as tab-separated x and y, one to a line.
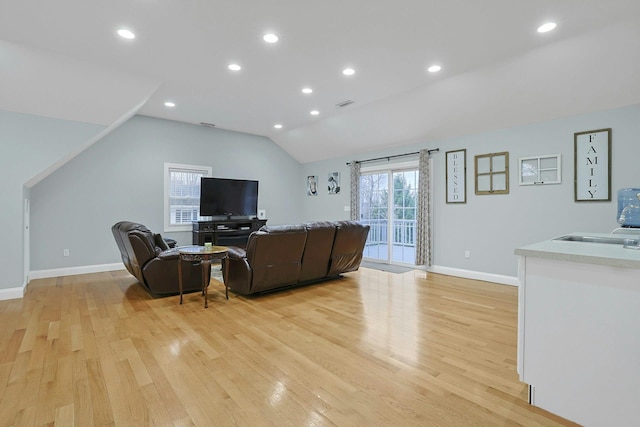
149	258
285	256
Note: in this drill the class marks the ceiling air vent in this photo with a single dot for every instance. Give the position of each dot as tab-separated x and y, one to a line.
344	103
207	125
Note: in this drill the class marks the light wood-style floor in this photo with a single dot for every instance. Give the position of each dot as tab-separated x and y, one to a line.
370	349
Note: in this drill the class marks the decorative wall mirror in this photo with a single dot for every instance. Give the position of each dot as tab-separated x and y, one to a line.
540	170
492	173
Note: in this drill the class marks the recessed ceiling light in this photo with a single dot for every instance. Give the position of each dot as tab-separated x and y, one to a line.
235	67
126	34
434	68
314	112
169	104
270	38
307	90
277	126
546	27
348	71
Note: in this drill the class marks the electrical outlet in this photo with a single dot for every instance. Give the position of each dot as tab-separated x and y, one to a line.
347	208
65	252
467	254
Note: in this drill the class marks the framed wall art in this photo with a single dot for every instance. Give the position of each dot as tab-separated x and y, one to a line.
333	182
456	176
540	170
492	173
592	161
312	185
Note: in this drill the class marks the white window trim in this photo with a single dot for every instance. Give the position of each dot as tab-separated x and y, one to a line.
206	170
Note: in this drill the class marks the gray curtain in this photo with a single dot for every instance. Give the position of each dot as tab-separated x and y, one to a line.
355	190
423	214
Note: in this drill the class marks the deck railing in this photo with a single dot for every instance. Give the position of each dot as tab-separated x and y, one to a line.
404	232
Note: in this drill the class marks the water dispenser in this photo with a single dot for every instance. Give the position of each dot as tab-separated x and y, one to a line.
629	207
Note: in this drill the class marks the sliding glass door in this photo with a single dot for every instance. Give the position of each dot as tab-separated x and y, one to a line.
388	205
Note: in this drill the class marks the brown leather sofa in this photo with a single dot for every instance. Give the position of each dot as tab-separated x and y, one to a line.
284	256
149	258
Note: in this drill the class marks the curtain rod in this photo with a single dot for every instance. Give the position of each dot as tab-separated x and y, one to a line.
433	150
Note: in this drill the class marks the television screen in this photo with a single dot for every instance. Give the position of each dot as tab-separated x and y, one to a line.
228	197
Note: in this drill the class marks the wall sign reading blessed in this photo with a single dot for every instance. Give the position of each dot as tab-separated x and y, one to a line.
456	174
592	165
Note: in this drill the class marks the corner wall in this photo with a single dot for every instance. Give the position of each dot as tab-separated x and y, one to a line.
28	144
121	177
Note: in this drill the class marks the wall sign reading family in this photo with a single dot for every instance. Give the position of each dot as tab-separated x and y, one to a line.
456	176
592	165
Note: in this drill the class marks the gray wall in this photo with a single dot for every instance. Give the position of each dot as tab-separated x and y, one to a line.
325	206
492	226
28	145
121	177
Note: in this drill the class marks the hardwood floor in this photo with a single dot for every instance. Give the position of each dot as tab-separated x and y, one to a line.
369	349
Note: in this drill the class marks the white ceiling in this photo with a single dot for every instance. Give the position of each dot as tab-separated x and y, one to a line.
63	59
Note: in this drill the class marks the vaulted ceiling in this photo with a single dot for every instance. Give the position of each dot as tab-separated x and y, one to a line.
64	59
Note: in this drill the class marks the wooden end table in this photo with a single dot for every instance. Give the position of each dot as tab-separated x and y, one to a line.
204	255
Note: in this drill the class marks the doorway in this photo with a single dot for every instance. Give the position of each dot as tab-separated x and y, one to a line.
388	205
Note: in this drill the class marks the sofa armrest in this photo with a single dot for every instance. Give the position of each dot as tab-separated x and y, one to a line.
173	253
238	272
236	253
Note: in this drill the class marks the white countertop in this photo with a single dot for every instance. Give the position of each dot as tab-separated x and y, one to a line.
585	252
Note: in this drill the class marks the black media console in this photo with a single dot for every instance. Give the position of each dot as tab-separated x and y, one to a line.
225	232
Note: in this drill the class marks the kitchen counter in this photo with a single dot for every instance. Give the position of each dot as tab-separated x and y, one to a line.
578	320
591	253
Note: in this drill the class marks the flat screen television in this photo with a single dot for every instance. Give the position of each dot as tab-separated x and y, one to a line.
228	197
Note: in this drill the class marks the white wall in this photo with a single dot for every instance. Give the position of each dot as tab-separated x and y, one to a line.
121	178
492	226
28	145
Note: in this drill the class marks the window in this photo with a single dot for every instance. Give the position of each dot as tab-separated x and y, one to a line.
182	195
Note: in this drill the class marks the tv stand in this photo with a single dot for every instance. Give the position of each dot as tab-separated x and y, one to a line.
225	232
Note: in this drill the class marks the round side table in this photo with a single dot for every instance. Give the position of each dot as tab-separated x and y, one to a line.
204	255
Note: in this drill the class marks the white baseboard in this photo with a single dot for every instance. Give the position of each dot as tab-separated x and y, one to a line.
18	292
476	275
12	293
72	271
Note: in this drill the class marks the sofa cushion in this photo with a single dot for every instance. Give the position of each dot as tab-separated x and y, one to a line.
347	247
317	250
275	255
159	241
